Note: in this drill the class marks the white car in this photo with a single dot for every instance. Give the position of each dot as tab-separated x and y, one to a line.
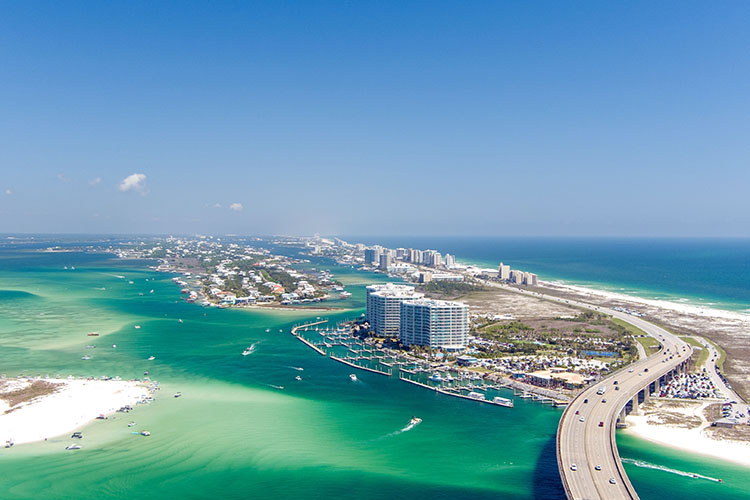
573	467
597	467
612	480
582	419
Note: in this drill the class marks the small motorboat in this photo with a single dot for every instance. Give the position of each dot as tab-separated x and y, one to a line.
297	378
137	327
72	447
145	433
177	394
77	435
131	424
86	358
415	420
353	377
151	358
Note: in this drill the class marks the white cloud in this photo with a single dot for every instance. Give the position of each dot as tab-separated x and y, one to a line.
237	207
218	205
134	182
95	181
61	177
8	192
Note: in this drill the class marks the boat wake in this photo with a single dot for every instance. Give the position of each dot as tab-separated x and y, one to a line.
412	424
646	465
298	368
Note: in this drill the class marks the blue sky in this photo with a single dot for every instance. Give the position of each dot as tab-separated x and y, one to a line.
436	118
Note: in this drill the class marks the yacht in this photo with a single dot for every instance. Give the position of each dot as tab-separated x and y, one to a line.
503	401
435	377
353	377
476	395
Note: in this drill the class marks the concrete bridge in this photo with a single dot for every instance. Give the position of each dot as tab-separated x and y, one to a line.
587	456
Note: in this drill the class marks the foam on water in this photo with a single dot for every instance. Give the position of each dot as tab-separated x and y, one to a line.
647	465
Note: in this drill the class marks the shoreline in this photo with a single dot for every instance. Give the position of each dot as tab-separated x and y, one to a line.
692	440
678	307
74	404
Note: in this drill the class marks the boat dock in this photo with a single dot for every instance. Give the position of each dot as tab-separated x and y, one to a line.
353	365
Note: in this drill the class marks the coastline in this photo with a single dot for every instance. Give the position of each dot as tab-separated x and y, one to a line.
73	404
679	307
692	439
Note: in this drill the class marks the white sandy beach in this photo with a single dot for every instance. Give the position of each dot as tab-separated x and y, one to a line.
679	307
76	403
692	440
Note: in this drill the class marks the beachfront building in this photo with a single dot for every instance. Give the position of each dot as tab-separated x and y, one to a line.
383	306
503	272
439	324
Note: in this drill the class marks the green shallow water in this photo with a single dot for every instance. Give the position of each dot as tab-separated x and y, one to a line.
234	435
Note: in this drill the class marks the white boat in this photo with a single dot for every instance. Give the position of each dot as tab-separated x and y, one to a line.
268	330
137	327
449	378
435	377
345	295
114	346
503	401
476	395
297	378
180	320
353	377
145	433
86	358
415	421
72	447
177	394
131	424
151	358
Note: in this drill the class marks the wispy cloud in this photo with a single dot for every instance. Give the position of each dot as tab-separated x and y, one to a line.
8	192
134	182
237	207
95	181
62	178
218	205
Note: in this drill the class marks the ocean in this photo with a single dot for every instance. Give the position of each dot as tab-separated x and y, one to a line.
235	434
708	272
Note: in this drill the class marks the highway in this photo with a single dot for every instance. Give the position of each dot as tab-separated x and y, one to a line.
588	459
587	456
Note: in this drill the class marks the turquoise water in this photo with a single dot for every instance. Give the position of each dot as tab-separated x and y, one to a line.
708	272
233	434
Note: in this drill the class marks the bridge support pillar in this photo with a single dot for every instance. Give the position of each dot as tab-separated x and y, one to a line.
647	394
636	407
